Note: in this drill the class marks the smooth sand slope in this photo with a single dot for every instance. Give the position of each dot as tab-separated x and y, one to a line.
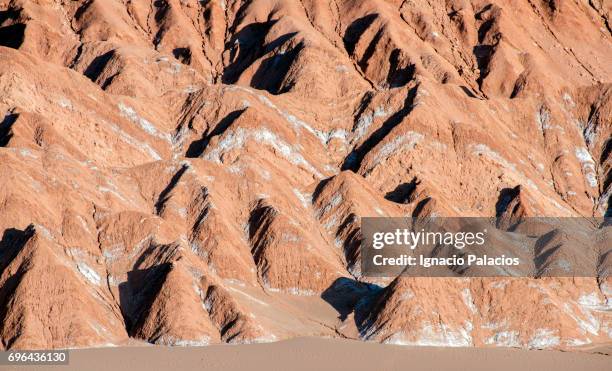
328	354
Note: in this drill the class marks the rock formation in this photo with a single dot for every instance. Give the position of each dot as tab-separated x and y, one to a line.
187	172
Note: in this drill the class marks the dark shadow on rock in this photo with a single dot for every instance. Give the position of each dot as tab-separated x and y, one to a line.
351	228
138	293
97	66
162	7
347	296
544	249
506	196
12	36
13	241
354	159
483	54
10	13
183	55
260	220
420	207
248	45
402	194
369	52
604	261
5	128
319	188
399	75
165	194
606	151
7	293
197	147
272	71
484	29
355	30
605	155
468	91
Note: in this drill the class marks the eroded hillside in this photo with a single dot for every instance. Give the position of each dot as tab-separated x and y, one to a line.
186	172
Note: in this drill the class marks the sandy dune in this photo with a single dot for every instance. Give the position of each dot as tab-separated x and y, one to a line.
329	354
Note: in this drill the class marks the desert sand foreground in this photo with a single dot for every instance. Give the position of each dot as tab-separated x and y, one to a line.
328	354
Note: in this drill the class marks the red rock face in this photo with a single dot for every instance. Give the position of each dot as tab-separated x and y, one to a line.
190	172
